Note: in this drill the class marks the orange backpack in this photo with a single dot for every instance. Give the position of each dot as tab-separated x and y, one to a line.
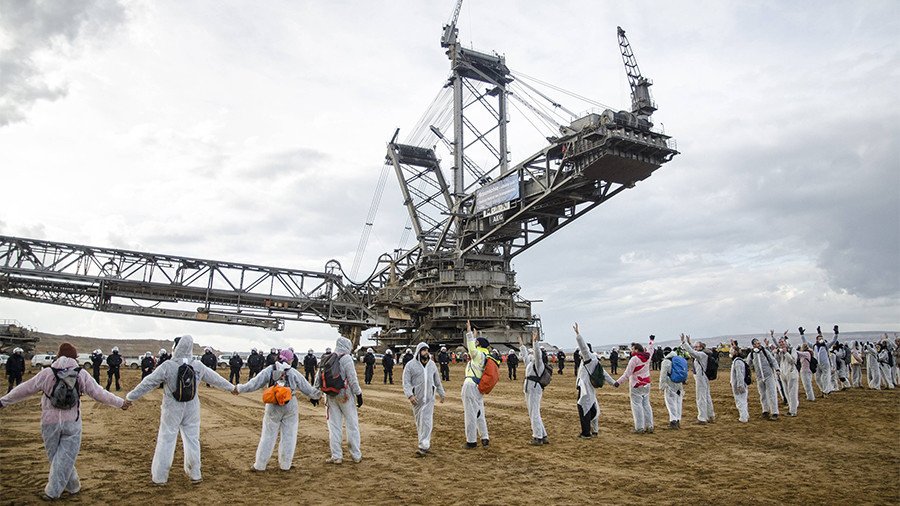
276	394
489	376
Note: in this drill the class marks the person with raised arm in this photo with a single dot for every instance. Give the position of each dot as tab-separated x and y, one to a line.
790	378
472	398
535	362
697	351
638	374
588	407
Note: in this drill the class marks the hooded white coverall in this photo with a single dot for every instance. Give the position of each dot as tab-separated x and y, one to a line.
739	388
887	374
823	370
423	382
534	367
673	392
61	428
279	419
175	416
705	410
764	365
790	377
587	404
472	399
873	371
342	406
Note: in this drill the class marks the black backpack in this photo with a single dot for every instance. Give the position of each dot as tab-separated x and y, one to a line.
65	393
598	379
330	371
712	365
544	379
747	379
185	384
813	363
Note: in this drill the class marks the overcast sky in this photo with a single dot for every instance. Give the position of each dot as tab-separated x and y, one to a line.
255	132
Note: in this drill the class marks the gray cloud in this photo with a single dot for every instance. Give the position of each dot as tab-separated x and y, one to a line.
36	29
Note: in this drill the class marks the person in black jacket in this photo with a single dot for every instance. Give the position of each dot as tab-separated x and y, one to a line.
113	362
147	364
369	360
387	363
576	357
444	363
209	360
309	366
235	363
255	363
561	360
15	367
613	361
96	362
512	364
162	357
272	357
407	356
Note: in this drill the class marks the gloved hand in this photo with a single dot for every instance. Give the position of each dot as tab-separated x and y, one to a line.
314	402
359	400
819	330
802	330
835	330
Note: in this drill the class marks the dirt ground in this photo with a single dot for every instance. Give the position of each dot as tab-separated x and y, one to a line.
841	449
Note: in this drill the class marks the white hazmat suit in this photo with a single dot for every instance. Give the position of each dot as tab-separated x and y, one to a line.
672	392
178	417
823	370
534	368
790	377
739	388
873	372
472	399
342	407
856	361
705	411
422	382
279	419
764	365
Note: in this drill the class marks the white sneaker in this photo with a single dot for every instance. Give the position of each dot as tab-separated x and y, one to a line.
357	460
334	461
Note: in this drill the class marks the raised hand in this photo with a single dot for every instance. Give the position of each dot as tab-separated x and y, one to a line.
534	336
577	333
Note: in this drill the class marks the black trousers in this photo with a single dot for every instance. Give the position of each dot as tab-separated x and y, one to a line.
445	372
235	376
586	418
310	375
14	380
561	365
389	376
614	366
512	372
370	371
97	374
109	377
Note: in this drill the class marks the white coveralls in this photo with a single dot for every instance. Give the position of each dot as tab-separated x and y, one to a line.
472	399
856	361
873	371
342	406
588	407
842	372
887	375
705	410
534	367
806	375
789	377
672	392
764	365
61	428
823	370
423	382
739	388
178	417
279	419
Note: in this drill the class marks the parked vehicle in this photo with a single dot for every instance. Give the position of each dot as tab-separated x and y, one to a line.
41	360
131	362
3	358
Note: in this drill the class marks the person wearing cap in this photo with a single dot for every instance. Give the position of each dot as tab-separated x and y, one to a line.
443	360
309	366
15	367
387	364
234	364
279	419
472	398
61	427
255	363
369	360
113	363
96	362
421	383
340	406
178	416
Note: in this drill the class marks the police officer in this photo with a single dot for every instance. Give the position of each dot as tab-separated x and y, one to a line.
15	367
235	363
309	366
113	363
96	362
369	360
444	363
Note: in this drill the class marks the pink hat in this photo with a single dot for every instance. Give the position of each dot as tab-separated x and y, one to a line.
286	355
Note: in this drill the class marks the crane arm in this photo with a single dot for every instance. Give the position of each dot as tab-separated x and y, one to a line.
450	31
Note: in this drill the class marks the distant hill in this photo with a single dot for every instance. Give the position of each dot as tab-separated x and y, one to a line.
127	347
